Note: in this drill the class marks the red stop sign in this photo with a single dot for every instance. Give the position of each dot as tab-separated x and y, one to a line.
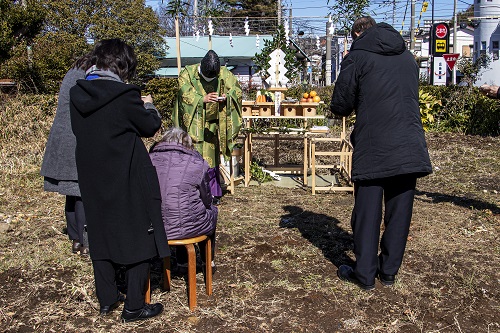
441	31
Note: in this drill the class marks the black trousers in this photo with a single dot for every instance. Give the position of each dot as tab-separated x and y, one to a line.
397	194
136	279
75	217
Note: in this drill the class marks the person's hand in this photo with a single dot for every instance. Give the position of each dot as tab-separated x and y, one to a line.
147	99
211	98
222	98
490	91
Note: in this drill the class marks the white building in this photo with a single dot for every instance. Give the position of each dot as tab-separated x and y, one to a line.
487	38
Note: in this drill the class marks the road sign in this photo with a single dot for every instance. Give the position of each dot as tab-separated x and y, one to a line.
441	46
439	75
451	59
441	31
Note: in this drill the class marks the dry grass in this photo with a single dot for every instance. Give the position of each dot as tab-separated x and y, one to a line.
277	252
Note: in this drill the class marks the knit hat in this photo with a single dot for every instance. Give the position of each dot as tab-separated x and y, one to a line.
210	64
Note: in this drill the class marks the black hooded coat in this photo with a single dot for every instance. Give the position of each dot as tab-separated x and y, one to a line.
118	182
379	81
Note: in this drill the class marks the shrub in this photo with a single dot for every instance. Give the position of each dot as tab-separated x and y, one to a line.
164	92
427	104
464	110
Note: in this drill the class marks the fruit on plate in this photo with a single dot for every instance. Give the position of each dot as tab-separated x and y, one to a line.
316	99
305	95
309	100
312	94
302	100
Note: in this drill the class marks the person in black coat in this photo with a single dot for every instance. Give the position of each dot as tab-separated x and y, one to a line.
379	82
117	180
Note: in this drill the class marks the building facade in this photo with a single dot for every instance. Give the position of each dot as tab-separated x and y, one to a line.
487	38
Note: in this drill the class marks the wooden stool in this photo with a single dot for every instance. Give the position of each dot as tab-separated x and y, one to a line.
188	243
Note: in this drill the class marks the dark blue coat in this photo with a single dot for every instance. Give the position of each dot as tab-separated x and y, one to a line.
379	81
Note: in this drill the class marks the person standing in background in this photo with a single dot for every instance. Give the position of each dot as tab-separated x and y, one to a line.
117	180
208	107
379	82
59	165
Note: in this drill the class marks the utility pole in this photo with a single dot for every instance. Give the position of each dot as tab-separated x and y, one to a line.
195	12
290	26
279	12
454	71
328	63
430	59
412	29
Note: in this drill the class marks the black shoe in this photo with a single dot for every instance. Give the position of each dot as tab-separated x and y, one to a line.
75	248
148	311
106	309
84	251
346	273
386	280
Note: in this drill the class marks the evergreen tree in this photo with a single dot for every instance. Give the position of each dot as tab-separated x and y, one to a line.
70	30
262	15
18	25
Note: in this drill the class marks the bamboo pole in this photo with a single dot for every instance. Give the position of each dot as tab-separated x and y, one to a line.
178	45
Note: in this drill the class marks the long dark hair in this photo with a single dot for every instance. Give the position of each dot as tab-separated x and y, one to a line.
117	56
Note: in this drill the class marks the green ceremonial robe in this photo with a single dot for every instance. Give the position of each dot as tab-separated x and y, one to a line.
214	125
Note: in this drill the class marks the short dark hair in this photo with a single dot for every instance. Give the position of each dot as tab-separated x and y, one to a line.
83	62
210	64
115	55
361	25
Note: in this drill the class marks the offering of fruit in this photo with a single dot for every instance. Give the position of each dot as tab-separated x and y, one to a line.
305	95
316	98
302	100
309	100
312	94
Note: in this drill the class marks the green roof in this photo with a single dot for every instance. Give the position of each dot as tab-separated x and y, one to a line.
243	47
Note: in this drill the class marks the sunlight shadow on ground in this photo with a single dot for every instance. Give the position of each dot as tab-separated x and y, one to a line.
459	201
322	231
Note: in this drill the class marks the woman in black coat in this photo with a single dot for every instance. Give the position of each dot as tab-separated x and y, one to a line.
117	180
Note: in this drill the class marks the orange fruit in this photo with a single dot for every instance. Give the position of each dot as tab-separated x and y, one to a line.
305	95
313	93
316	99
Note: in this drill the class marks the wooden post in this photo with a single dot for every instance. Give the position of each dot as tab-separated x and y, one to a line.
178	45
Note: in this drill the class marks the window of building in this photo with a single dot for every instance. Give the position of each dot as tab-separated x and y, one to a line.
483	45
494	44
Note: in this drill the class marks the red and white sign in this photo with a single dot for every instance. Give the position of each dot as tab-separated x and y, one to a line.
441	31
451	59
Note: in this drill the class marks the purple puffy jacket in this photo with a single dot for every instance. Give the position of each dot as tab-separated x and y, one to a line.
187	208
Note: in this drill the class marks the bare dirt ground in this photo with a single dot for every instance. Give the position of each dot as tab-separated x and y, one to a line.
277	254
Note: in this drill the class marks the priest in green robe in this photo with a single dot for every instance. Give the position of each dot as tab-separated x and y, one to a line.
208	107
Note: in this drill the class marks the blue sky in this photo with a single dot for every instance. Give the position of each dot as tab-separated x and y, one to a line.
310	16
